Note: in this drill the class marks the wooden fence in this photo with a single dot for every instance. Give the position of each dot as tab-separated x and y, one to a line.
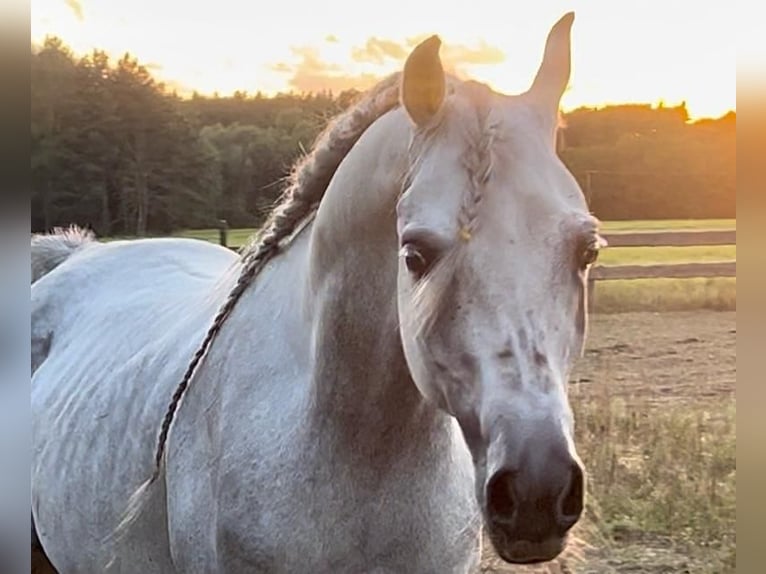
665	270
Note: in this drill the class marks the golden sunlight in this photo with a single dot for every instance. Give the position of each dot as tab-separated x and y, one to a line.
652	52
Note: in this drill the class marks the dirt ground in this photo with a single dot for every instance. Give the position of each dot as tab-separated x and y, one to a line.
671	357
676	356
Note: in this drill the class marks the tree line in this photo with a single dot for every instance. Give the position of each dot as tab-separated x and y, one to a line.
116	150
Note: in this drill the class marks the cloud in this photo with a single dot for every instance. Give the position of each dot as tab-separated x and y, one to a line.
312	74
377	50
281	67
310	58
76	7
378	56
331	39
484	54
457	57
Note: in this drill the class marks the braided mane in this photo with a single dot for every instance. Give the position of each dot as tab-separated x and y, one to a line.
308	183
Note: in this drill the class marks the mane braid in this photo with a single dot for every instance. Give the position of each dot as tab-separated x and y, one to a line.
479	132
478	159
308	183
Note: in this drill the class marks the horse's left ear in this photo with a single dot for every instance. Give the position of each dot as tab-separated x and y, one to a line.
423	82
553	76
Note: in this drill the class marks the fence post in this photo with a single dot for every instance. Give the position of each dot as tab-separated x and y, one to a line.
589	189
223	232
591	291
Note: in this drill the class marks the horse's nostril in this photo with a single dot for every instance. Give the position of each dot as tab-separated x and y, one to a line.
500	497
571	502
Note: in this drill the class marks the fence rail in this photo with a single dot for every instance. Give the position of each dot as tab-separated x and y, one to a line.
671	238
665	270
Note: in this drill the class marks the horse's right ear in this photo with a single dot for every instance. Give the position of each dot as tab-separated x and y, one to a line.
423	81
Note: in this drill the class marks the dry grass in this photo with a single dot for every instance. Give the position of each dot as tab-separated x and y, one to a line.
620	296
662	490
647	255
655	408
662	475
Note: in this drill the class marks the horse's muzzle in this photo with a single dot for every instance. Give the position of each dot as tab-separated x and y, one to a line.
533	495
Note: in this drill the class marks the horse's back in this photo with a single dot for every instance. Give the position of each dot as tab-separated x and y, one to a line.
113	328
119	286
107	270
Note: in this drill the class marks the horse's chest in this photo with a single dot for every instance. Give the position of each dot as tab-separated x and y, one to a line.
337	525
303	501
390	540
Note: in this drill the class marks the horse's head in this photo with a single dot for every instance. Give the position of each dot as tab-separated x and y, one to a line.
496	240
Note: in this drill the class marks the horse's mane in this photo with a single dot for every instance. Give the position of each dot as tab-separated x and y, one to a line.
306	187
307	184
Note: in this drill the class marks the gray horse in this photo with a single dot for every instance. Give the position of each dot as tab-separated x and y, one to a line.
378	375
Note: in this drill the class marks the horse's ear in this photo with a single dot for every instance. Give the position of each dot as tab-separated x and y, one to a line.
423	81
553	76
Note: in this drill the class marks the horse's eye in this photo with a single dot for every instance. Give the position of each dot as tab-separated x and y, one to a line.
417	258
589	253
589	256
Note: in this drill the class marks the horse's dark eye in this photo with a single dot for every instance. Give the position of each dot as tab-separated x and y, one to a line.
589	256
589	252
417	259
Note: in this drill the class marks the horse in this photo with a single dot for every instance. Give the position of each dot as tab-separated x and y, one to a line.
377	377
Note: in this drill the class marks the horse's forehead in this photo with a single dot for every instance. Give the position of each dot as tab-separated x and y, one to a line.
498	149
477	107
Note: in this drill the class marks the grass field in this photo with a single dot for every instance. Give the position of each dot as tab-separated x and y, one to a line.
662	224
236	237
717	293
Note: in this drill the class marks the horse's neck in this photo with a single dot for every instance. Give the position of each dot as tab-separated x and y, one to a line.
362	391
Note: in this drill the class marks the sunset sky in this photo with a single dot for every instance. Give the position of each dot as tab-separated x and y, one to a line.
649	51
